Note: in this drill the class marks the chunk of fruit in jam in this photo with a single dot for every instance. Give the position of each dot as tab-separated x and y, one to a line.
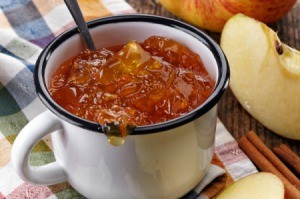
127	63
137	84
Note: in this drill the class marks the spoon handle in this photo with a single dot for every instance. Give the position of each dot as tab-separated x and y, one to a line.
82	27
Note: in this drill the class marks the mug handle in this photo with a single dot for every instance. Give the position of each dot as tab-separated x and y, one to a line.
33	132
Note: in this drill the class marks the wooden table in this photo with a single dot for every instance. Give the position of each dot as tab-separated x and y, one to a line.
231	113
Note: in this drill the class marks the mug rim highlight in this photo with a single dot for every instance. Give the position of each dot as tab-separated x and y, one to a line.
221	83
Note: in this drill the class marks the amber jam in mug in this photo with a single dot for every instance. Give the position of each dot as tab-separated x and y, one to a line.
161	160
136	83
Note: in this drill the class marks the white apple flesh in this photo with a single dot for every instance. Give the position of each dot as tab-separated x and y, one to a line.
255	186
265	74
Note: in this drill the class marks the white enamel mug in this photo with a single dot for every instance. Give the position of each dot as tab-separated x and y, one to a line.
164	160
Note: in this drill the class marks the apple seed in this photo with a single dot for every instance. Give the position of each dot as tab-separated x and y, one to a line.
279	48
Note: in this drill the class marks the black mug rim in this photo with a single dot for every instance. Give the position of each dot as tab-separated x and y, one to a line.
221	84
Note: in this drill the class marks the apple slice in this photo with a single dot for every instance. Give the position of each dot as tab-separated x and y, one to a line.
259	185
265	74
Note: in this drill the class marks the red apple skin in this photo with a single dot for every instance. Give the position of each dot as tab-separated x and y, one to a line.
213	14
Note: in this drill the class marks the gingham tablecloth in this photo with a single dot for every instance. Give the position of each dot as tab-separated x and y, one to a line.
26	26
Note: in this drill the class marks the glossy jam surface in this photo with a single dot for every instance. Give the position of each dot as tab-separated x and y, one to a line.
137	83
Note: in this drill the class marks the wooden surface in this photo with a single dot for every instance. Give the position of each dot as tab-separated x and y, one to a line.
231	113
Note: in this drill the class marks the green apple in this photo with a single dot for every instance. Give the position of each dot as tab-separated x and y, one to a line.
255	186
265	74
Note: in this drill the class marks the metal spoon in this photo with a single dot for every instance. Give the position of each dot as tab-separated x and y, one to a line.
79	20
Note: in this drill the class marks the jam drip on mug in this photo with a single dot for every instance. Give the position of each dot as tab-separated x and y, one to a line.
135	84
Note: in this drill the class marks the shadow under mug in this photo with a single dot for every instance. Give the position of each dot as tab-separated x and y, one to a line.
163	160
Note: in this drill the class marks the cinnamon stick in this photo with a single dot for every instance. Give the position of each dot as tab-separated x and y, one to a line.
278	164
289	156
265	165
